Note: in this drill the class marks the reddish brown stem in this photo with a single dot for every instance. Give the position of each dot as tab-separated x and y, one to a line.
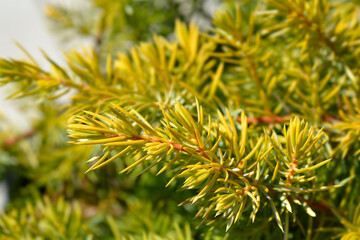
281	119
177	146
291	171
315	205
266	119
13	140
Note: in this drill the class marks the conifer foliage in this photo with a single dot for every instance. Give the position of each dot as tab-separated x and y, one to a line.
252	126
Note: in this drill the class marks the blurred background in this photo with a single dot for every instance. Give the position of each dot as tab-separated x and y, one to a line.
24	22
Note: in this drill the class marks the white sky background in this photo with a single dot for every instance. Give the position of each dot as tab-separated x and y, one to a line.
23	21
